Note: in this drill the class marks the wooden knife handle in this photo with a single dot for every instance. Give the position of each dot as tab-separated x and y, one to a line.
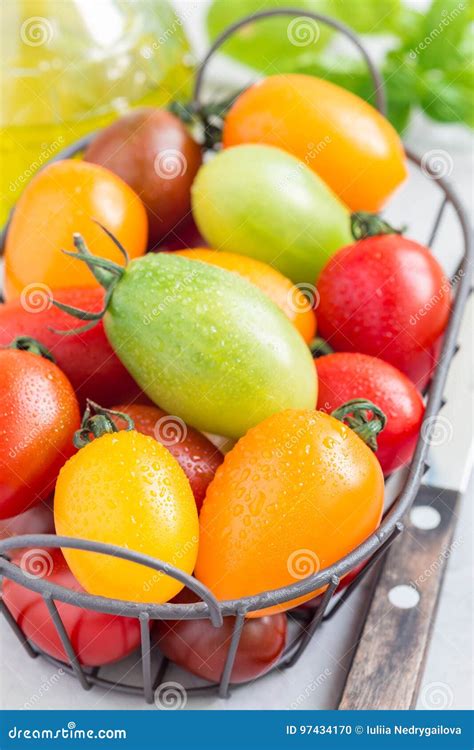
390	654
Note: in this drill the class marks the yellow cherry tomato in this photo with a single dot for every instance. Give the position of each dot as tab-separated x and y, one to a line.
127	489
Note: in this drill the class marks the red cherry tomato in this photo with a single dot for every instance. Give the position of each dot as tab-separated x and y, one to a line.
196	455
97	638
345	376
39	415
199	647
86	358
386	296
36	520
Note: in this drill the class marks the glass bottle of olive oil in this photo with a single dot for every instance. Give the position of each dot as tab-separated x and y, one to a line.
70	67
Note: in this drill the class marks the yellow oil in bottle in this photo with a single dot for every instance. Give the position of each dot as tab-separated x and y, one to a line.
72	66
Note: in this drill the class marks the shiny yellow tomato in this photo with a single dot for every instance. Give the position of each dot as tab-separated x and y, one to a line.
288	297
127	489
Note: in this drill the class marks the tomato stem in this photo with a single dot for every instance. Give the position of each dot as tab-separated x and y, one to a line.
98	421
208	119
364	417
364	224
319	347
105	271
29	344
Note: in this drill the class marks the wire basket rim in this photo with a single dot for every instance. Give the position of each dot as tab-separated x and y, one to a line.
393	518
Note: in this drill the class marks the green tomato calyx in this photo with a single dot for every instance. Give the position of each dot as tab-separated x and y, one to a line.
98	421
29	344
319	347
206	121
365	224
105	271
364	417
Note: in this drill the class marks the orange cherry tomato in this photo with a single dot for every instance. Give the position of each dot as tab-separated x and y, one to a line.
289	298
334	132
296	493
63	198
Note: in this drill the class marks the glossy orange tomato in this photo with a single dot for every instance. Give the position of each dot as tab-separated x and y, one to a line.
289	298
341	137
61	199
298	491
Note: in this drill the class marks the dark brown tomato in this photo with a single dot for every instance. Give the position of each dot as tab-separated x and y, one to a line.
153	152
199	647
183	235
196	455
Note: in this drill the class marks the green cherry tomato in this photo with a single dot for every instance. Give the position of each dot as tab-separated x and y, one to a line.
263	202
207	345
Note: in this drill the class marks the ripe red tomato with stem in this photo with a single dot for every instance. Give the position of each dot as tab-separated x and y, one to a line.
39	415
86	358
346	376
199	647
96	638
386	296
196	455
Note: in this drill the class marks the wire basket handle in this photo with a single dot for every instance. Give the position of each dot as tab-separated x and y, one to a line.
379	89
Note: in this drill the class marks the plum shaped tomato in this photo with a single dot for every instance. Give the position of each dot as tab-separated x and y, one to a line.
125	488
345	376
296	305
153	152
262	202
96	638
388	297
65	197
355	150
296	493
203	343
86	358
199	647
39	414
197	456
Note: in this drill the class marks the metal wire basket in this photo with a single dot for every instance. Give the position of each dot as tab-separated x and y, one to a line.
370	552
